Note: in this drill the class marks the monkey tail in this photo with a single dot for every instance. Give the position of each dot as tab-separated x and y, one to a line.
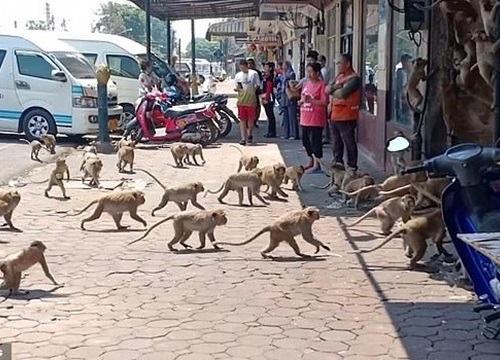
237	148
213	192
321	187
24	140
359	191
151	228
386	240
362	218
153	177
264	230
40	182
93	202
426	193
396	191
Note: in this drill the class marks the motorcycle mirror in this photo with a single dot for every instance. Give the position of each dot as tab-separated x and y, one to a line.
399	143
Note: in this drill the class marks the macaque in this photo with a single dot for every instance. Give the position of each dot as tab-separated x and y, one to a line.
125	157
179	151
50	142
36	146
57	177
9	199
249	179
246	162
193	150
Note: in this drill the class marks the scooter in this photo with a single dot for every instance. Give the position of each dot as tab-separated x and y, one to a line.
470	205
190	123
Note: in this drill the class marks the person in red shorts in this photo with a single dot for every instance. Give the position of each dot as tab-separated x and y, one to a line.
247	81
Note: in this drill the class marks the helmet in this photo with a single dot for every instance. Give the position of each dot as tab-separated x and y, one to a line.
171	79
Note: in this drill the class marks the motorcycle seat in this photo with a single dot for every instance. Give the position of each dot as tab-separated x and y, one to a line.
182	110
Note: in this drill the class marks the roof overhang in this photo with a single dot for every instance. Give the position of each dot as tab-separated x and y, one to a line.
236	28
200	9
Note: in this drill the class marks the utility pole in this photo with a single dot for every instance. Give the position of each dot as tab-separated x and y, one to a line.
148	29
169	42
497	80
194	78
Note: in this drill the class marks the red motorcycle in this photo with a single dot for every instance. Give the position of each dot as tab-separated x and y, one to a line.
158	121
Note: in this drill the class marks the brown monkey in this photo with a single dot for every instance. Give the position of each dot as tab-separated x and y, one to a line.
92	167
415	232
485	56
415	97
246	162
179	151
389	211
50	142
57	177
115	204
9	199
125	156
14	265
294	174
249	179
181	195
186	222
432	189
193	150
357	184
123	142
336	174
89	149
36	146
273	177
285	228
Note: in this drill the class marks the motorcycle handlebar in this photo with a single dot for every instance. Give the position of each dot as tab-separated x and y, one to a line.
413	169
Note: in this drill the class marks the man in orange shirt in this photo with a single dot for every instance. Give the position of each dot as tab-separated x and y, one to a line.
345	90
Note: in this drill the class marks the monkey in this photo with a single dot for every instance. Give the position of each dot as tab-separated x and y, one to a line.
50	142
125	156
336	174
358	184
92	167
488	13
123	142
294	174
273	177
432	189
115	204
9	199
415	232
179	151
185	222
485	56
293	89
57	177
36	146
389	211
398	161
181	195
286	228
246	162
249	179
193	150
90	149
87	155
13	266
415	97
462	9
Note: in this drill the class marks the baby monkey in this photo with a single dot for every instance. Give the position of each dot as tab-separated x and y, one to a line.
246	162
185	222
57	176
179	151
286	228
9	199
192	151
14	265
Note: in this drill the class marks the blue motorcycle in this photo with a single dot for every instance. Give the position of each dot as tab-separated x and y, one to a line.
471	206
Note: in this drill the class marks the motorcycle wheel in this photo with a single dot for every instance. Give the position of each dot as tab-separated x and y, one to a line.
209	133
225	124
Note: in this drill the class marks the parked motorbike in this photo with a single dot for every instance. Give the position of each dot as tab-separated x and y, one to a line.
224	114
470	205
190	123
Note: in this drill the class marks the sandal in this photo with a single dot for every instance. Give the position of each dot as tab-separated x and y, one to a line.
243	142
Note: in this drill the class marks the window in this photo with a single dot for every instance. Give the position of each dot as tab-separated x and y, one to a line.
31	64
2	56
160	68
92	58
346	26
331	15
404	50
370	56
123	66
76	64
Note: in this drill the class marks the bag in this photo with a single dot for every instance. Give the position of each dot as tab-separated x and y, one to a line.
291	93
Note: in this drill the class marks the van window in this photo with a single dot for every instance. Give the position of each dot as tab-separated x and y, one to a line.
160	68
76	64
34	65
2	56
123	66
92	58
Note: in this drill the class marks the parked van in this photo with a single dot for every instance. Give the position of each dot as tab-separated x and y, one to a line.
122	56
46	86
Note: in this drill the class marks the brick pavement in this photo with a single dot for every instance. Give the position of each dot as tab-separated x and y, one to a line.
144	302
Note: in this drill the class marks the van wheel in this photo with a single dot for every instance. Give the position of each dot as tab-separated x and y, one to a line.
127	115
38	122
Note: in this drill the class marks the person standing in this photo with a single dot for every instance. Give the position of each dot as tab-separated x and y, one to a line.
403	110
268	99
289	106
325	75
147	78
313	103
346	94
258	91
247	81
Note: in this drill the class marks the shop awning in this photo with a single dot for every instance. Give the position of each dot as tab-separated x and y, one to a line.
236	28
200	9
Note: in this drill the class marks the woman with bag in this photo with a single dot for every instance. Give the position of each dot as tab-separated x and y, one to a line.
288	103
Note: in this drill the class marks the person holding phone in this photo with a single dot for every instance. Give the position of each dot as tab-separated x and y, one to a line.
247	81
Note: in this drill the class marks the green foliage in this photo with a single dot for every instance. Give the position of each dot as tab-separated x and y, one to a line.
130	21
204	49
36	25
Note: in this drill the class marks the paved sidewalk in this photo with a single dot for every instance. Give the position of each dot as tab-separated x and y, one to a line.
144	302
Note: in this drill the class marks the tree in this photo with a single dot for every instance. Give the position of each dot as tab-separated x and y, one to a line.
130	21
204	49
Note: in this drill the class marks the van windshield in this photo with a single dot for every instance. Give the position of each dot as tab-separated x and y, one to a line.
76	64
160	67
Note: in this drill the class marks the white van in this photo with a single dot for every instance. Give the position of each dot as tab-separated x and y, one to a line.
122	56
46	86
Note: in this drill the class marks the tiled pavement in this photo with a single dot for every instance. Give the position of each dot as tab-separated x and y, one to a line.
144	302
